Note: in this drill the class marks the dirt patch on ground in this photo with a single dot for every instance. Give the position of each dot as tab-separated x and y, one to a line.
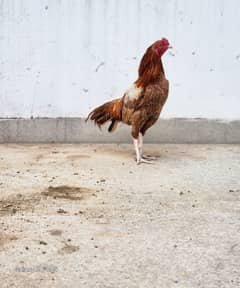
68	249
20	203
67	192
13	204
6	238
56	232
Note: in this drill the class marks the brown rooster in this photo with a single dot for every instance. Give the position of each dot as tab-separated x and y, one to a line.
142	103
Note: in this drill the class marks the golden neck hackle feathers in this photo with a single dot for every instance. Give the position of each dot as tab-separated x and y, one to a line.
150	69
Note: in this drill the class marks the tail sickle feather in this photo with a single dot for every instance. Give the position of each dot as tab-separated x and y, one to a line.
109	111
113	126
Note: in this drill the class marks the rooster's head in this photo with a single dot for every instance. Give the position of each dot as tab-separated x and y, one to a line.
160	47
151	67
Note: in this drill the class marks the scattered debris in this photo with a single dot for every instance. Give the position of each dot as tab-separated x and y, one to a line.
61	211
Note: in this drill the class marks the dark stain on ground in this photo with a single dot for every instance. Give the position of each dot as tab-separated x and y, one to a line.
77	156
67	192
56	232
20	203
68	249
13	204
39	157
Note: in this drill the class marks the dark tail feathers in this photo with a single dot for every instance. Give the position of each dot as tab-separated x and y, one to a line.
109	111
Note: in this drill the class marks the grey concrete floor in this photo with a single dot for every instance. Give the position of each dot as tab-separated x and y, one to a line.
88	216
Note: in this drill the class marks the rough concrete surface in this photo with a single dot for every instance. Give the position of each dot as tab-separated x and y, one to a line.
88	216
76	130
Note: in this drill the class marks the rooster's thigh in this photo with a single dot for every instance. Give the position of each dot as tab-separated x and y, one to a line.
149	123
137	122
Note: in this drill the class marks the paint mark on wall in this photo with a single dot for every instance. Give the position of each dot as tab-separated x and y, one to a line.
99	66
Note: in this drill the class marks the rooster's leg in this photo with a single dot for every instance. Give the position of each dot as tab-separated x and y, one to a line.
136	146
138	155
140	144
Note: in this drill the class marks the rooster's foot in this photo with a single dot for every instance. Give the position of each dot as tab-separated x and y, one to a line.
148	157
142	160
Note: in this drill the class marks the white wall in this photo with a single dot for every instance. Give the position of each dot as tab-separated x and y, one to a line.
60	58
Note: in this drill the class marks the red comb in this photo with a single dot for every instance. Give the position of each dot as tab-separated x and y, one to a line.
165	41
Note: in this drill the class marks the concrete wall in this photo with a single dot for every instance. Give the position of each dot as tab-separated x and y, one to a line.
76	130
60	58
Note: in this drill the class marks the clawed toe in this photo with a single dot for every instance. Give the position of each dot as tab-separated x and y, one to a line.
144	161
147	157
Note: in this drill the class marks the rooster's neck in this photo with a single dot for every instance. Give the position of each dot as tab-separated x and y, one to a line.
149	73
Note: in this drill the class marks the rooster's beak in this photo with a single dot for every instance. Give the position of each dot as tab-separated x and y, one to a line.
170	47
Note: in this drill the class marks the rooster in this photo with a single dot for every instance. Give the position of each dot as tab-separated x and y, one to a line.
142	103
